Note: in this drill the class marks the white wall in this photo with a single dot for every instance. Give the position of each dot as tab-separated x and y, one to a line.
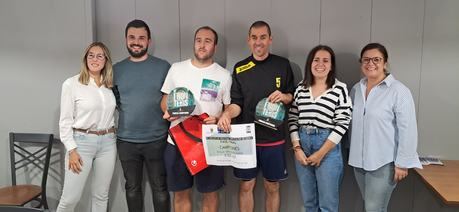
41	44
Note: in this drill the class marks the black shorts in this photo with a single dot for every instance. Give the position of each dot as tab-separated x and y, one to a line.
179	178
271	161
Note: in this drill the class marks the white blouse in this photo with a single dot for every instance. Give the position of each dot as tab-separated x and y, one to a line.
84	107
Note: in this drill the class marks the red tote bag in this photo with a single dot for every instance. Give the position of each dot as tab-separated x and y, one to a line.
187	136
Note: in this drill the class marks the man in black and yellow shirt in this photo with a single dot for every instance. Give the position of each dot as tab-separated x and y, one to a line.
259	76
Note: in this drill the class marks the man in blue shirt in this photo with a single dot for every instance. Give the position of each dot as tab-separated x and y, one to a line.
142	132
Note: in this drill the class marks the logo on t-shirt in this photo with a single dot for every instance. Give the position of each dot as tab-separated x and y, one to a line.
245	67
209	90
278	82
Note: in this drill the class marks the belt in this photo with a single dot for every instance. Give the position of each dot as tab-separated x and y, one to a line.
96	132
310	129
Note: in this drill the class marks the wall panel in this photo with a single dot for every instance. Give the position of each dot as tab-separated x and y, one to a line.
403	40
295	25
345	27
194	14
438	102
239	15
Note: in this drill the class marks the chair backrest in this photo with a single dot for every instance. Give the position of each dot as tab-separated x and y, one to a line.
22	157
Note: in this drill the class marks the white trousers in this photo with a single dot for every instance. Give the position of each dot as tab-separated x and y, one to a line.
98	154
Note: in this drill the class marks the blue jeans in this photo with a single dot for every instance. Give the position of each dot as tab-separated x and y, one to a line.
98	154
376	187
320	185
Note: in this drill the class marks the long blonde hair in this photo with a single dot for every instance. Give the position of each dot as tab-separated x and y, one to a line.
106	72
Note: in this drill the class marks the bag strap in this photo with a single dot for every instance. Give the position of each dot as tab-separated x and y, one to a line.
194	138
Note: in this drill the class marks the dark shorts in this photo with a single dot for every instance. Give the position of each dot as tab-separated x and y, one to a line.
271	161
179	178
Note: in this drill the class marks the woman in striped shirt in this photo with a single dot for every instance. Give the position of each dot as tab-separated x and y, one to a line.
319	117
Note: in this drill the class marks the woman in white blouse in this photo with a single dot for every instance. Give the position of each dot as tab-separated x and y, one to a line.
318	119
87	129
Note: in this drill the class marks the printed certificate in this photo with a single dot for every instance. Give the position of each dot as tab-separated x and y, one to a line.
236	148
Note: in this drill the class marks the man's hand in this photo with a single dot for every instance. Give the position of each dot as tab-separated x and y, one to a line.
224	123
278	96
168	117
210	120
275	96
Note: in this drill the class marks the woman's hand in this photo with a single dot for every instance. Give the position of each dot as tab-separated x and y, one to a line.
300	156
75	162
316	158
400	173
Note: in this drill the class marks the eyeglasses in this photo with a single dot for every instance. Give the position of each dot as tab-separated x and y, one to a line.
99	57
376	60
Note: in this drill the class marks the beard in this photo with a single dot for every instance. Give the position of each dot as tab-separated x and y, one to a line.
204	57
139	54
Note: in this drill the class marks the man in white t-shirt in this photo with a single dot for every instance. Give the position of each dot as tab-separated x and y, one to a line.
210	84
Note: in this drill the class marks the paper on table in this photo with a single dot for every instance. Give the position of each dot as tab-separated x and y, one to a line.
430	160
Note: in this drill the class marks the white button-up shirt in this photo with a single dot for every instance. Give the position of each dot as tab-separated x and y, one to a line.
84	107
383	126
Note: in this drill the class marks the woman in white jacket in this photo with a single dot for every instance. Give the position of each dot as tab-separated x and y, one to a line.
87	129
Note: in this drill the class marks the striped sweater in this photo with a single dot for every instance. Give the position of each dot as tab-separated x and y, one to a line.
331	110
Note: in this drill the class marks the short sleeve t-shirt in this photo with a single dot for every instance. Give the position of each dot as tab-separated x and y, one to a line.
254	80
210	87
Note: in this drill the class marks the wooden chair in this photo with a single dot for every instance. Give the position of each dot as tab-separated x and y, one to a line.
28	151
